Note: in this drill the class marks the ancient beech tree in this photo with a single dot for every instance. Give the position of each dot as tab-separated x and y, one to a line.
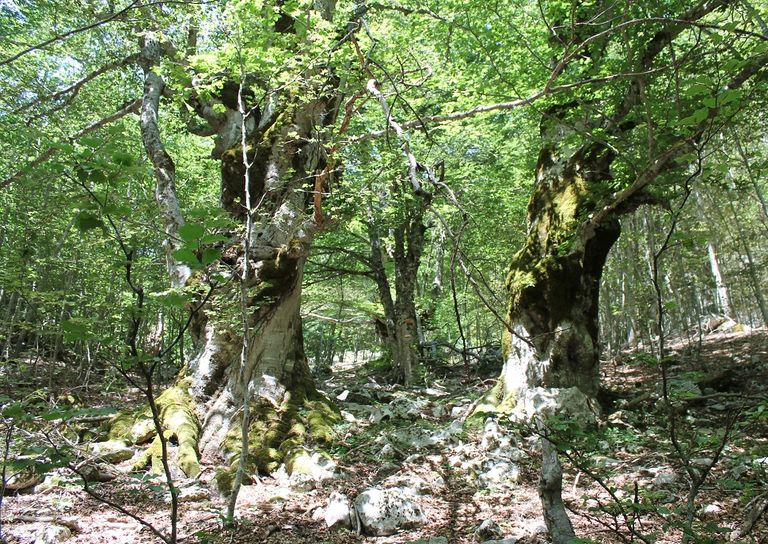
273	167
580	194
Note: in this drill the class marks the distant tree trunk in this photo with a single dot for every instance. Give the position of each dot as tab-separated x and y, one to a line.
400	312
721	290
755	283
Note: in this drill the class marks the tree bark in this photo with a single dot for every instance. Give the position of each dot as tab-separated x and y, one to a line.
284	149
286	158
400	312
554	280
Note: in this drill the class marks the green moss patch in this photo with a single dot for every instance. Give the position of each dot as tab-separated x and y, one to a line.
282	434
177	415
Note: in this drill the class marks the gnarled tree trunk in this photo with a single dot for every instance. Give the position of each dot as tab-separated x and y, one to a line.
554	280
280	154
286	157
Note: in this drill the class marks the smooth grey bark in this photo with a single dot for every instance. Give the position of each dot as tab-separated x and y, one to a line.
162	164
551	495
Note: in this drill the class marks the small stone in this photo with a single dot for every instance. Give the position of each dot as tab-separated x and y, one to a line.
458	411
495	472
281	494
601	461
537	526
112	451
435	392
343	395
739	471
384	512
52	534
439	411
702	462
509	540
711	511
194	493
665	478
489	529
340	514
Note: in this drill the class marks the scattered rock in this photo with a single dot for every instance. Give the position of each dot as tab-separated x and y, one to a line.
489	530
385	511
509	540
52	534
537	526
496	472
414	484
310	467
665	478
111	451
340	514
436	391
710	511
99	472
569	402
194	493
601	461
458	411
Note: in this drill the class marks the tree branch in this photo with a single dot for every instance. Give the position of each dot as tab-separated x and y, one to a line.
131	107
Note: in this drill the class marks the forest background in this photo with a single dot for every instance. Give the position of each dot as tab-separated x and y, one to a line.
219	200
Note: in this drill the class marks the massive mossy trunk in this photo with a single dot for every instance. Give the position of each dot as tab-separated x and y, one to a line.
286	157
247	335
554	281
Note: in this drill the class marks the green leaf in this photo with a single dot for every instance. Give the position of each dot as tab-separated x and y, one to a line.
85	221
14	411
213	238
122	158
189	232
74	330
210	255
173	299
186	256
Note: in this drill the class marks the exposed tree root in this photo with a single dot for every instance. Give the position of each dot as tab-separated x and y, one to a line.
177	415
281	434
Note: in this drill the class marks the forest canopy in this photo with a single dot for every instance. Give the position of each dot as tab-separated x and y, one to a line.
220	207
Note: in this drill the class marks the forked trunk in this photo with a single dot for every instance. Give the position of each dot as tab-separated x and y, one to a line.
284	161
281	156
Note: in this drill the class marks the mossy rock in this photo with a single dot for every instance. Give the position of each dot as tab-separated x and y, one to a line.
112	451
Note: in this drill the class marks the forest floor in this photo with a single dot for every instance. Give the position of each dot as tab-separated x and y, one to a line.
467	475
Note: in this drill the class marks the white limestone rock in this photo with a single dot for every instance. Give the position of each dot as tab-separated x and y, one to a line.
384	512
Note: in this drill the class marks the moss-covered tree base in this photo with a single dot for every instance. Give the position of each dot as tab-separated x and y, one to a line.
282	434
